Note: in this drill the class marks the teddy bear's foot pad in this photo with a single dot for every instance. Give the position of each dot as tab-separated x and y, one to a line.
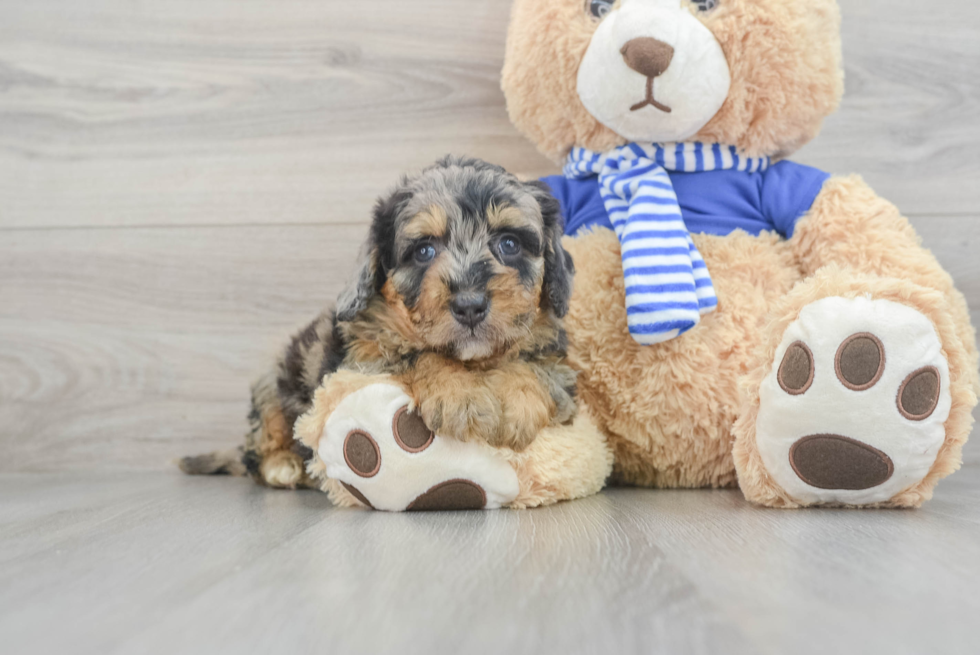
387	458
854	409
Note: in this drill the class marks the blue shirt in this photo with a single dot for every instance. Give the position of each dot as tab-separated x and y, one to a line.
712	202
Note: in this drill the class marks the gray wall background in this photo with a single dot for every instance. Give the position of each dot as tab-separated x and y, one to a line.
182	184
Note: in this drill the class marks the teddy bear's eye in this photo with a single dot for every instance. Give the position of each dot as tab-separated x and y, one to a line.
706	5
599	8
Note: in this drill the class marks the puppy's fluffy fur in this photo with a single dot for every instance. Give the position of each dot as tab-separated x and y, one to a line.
460	295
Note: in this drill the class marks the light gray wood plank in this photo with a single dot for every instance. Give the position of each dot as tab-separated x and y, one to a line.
217	111
348	581
955	241
123	349
155	563
910	120
128	348
829	580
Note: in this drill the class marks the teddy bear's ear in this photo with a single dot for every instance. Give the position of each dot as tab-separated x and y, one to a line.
559	269
378	256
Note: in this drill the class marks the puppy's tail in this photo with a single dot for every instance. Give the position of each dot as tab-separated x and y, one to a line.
224	462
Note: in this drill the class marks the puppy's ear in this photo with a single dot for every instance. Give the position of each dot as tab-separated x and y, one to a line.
559	269
361	289
378	258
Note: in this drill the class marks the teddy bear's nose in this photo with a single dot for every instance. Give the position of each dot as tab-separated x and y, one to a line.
648	56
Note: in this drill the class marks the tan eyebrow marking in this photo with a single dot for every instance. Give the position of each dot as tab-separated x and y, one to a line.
433	222
509	216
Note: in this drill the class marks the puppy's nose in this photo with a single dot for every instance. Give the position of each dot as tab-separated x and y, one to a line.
469	308
648	56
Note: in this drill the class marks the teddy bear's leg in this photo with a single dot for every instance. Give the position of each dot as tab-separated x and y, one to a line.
372	449
853	404
863	391
563	463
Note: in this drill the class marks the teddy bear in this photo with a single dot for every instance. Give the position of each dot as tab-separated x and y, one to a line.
737	319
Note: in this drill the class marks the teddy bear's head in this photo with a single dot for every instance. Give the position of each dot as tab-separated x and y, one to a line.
757	74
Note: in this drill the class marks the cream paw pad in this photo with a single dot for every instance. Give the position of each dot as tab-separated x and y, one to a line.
854	409
387	458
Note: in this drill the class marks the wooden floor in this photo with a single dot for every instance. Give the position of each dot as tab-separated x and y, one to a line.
184	183
156	563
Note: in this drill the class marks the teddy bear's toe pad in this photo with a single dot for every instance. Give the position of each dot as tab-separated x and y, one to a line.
452	494
854	409
386	457
830	461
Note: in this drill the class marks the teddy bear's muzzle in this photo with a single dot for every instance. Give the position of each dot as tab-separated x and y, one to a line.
653	72
650	57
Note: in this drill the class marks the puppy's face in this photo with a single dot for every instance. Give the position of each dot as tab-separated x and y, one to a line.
467	258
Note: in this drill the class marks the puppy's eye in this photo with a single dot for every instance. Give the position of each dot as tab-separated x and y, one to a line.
509	247
599	8
425	253
706	5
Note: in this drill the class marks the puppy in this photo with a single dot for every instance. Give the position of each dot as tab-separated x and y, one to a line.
460	296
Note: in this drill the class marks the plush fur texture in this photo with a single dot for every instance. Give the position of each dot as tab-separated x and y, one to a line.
784	57
563	462
833	280
668	409
683	413
853	243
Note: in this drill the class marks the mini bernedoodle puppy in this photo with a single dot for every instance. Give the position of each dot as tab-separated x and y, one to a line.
460	295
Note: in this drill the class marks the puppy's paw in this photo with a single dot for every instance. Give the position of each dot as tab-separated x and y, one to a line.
527	406
387	458
282	470
463	415
519	428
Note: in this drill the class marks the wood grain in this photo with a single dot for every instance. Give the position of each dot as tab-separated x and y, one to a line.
227	112
183	184
909	122
230	112
137	563
128	348
124	348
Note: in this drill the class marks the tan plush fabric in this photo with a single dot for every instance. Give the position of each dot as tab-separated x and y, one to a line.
682	414
787	76
668	409
563	463
854	243
834	280
784	57
675	414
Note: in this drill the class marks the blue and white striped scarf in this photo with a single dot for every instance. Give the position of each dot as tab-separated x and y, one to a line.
668	287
